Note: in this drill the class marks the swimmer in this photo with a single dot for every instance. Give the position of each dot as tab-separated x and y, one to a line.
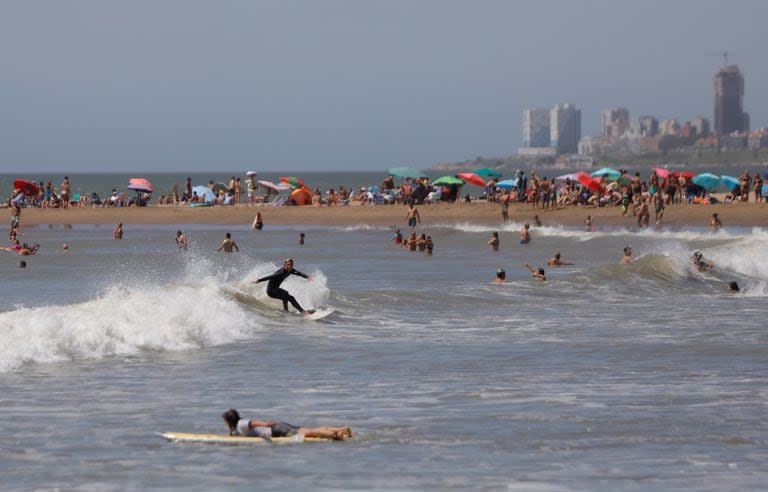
556	261
494	241
412	242
538	273
525	235
734	286
398	238
65	247
228	244
301	238
22	264
700	263
276	279
627	258
181	240
430	245
714	223
118	233
501	276
258	222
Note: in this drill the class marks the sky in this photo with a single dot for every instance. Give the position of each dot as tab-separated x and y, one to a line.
342	85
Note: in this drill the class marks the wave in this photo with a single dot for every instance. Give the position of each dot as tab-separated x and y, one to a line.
127	320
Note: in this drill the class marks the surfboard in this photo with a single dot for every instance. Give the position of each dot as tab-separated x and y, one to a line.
227	439
319	314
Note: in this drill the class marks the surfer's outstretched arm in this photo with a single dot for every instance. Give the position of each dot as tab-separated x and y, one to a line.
296	272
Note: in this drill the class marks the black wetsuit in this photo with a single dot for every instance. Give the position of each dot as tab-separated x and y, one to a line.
275	292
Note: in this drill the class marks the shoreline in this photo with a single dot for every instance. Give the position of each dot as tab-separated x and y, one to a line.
736	214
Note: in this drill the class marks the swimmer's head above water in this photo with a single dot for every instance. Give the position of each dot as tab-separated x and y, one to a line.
500	273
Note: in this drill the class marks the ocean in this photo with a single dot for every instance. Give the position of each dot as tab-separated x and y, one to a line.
649	376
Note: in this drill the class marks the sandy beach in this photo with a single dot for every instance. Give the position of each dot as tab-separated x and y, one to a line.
737	214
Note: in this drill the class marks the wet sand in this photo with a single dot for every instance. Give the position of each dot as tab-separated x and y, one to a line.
737	214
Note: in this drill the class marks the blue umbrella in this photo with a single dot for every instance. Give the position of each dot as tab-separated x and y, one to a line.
612	173
507	184
707	180
488	172
205	192
731	182
405	172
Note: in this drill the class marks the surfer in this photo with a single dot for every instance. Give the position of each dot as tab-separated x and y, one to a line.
700	263
228	244
556	261
501	276
537	273
273	286
268	429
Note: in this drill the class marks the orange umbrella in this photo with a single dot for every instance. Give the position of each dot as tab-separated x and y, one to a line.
472	178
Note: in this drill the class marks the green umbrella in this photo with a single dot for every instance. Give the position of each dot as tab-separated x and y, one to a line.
405	172
448	180
488	172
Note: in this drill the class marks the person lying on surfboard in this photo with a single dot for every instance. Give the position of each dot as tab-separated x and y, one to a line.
275	292
269	428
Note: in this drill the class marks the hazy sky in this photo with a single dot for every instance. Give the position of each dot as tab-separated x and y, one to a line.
344	85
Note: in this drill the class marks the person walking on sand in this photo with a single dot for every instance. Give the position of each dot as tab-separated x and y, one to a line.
228	244
181	240
525	234
65	192
258	222
412	215
714	223
505	208
494	241
276	279
118	232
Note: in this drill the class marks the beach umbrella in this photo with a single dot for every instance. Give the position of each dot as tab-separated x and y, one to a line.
472	178
251	173
730	182
300	196
488	173
588	181
661	172
140	184
219	187
572	177
29	188
293	181
448	180
707	180
274	187
612	173
204	192
507	184
685	174
405	172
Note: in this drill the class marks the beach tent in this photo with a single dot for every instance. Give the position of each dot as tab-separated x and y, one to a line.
488	173
204	192
405	172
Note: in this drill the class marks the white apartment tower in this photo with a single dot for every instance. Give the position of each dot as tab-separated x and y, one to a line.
536	128
565	128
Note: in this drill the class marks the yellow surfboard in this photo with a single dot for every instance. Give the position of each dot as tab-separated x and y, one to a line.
227	439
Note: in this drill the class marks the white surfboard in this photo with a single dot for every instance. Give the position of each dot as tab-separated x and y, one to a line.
227	439
319	314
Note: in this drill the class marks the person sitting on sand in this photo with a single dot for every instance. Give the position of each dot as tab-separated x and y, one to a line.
627	258
267	429
228	244
700	263
538	273
556	261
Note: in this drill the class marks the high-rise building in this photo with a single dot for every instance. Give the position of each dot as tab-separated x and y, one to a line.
729	94
647	126
615	122
669	127
565	128
536	128
701	124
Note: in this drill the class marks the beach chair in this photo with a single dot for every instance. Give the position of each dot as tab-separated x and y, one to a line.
278	201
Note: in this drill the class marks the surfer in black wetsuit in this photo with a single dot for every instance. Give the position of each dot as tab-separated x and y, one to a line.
273	286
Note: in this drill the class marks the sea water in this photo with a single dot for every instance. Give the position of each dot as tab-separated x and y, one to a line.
649	376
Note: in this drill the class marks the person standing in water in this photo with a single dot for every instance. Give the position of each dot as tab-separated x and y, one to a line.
258	222
181	240
588	224
627	258
118	233
557	261
537	273
714	223
501	276
228	244
412	215
301	239
525	235
494	241
276	279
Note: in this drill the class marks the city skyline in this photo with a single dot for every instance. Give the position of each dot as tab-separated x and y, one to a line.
342	85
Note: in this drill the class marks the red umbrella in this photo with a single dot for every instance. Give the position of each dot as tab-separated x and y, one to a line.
685	174
472	178
29	188
293	181
140	184
588	181
660	172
